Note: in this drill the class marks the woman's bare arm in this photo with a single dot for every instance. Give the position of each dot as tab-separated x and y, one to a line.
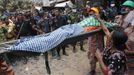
102	65
105	29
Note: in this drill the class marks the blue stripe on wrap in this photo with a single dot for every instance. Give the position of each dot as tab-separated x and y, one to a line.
45	43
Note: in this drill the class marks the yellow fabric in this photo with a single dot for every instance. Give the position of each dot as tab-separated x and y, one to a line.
10	27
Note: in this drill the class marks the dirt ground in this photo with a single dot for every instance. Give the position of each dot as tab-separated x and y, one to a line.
74	64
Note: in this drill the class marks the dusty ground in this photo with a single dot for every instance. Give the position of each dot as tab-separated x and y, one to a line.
74	64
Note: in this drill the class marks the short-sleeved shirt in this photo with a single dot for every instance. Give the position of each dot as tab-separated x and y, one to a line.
116	62
44	25
74	17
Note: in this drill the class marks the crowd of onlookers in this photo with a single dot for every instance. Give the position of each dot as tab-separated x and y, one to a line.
36	22
29	24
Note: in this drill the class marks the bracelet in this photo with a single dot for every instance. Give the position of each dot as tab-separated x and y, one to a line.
106	71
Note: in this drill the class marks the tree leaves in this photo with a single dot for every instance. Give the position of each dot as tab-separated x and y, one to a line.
13	5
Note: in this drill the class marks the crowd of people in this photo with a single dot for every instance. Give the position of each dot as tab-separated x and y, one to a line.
36	22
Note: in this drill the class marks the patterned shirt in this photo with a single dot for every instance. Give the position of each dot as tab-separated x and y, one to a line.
74	17
116	62
91	21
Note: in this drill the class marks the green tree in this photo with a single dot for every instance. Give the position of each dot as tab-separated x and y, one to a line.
3	4
13	5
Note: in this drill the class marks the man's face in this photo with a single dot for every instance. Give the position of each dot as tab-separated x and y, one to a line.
19	17
45	15
91	13
35	13
57	13
127	9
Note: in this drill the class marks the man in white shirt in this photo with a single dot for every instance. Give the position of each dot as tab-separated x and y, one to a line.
128	19
128	23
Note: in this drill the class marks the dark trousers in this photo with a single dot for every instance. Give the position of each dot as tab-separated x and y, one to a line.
81	46
56	53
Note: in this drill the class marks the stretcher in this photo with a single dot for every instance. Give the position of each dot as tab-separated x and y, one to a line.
69	40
